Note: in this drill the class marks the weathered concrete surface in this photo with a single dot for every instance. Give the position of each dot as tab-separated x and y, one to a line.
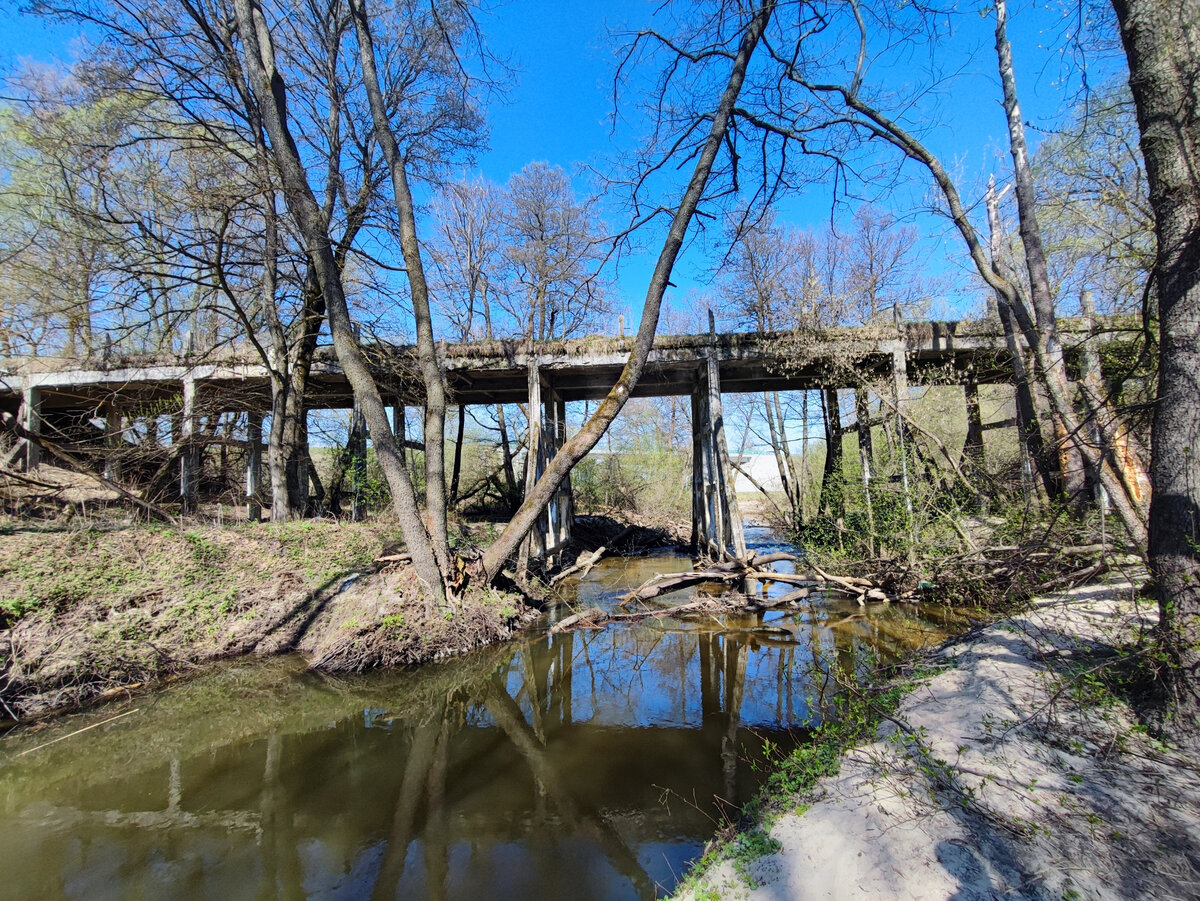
1001	777
578	369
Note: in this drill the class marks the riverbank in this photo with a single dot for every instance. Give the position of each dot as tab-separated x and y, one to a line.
92	613
1017	770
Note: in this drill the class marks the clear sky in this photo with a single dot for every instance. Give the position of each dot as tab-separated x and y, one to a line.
559	108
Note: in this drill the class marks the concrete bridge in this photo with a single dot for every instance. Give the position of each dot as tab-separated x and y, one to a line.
545	376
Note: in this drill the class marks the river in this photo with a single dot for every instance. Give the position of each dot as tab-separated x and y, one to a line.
585	765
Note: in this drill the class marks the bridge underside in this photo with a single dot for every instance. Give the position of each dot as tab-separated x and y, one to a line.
543	376
581	369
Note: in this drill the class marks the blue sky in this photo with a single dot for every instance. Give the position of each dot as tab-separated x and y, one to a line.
559	108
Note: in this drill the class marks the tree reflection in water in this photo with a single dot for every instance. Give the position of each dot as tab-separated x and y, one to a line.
585	764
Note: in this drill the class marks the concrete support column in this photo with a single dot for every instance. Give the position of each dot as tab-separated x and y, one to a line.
716	520
188	460
900	387
114	440
866	458
1093	384
561	512
30	417
399	428
535	545
358	462
973	447
254	420
547	432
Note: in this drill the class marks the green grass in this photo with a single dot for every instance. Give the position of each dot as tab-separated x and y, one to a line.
206	570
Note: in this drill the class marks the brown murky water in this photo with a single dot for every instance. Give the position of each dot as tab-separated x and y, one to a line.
588	765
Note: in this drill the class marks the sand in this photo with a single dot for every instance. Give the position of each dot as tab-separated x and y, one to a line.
1008	774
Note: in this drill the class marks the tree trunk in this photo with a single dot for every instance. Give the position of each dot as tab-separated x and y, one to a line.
832	501
585	439
1162	42
1071	467
431	373
271	95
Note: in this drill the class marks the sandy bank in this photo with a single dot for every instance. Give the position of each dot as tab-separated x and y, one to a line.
1012	772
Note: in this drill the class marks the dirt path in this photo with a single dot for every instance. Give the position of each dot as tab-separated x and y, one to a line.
1013	772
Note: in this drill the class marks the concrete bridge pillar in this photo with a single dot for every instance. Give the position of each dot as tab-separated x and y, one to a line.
973	446
30	417
357	442
114	435
254	421
189	459
716	519
547	433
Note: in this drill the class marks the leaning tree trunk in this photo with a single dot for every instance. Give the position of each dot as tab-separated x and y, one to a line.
585	439
1162	42
431	374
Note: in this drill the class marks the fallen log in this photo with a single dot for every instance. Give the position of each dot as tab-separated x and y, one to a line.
584	564
786	578
592	616
761	603
666	583
398	557
766	559
851	582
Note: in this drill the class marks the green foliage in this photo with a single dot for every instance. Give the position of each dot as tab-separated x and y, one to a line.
202	575
748	847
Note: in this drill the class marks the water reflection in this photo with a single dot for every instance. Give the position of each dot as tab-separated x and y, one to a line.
583	765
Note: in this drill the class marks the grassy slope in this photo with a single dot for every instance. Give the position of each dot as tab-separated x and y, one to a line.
90	612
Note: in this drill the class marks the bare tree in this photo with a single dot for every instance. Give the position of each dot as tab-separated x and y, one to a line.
554	255
466	251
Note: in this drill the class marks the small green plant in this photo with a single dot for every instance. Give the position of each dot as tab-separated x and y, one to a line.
747	848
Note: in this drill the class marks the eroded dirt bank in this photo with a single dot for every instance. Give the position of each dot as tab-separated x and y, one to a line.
88	613
1015	771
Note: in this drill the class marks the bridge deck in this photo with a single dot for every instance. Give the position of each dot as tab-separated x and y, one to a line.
579	369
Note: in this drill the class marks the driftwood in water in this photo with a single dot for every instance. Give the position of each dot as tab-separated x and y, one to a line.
664	583
724	573
791	597
594	617
584	564
975	577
